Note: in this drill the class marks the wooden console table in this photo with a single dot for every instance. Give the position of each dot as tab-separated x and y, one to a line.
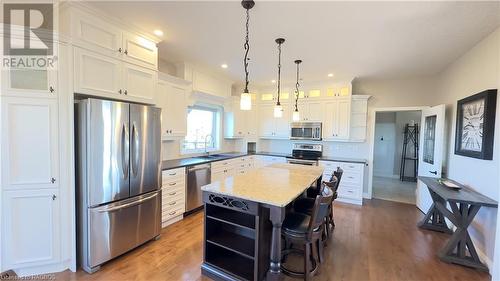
464	204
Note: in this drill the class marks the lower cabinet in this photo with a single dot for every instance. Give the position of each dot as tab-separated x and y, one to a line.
31	228
173	195
266	160
351	184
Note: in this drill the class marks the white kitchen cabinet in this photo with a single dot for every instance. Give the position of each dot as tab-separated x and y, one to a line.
309	110
100	75
91	32
139	83
359	115
337	112
31	228
172	98
96	74
239	123
30	149
271	127
173	195
351	184
139	50
36	83
102	36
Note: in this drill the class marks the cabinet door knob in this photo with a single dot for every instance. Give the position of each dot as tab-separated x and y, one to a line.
120	91
52	180
126	52
51	89
54	197
125	92
119	50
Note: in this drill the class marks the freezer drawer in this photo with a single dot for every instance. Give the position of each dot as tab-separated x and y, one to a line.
119	227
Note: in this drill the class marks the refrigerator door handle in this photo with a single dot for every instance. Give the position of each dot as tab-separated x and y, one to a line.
106	209
125	151
135	150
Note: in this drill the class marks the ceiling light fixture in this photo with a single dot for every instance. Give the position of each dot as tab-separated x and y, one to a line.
246	98
273	81
330	74
158	32
278	109
223	65
296	114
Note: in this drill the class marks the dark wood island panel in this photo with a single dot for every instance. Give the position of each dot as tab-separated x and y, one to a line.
237	238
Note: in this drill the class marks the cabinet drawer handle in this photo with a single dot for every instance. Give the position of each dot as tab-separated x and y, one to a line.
172	174
172	184
351	177
173	193
173	203
172	213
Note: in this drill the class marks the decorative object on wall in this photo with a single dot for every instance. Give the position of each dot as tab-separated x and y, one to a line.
278	109
246	98
475	127
296	114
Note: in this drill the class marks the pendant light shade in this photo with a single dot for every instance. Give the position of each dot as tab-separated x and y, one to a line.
246	98
245	101
296	114
278	109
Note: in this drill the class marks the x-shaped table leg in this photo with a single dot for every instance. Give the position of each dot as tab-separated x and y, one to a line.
434	219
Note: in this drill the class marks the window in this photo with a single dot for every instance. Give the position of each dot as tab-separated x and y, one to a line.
202	129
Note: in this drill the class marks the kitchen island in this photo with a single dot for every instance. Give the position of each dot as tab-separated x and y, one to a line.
243	218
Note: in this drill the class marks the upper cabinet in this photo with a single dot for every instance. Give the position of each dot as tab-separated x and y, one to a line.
240	123
205	82
271	127
139	50
359	113
100	75
29	82
93	33
337	113
172	96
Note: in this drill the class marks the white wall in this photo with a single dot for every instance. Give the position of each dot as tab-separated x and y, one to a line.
475	71
385	144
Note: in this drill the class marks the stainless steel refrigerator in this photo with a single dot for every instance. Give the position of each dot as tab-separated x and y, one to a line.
118	178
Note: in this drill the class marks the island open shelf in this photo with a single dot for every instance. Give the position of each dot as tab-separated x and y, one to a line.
236	240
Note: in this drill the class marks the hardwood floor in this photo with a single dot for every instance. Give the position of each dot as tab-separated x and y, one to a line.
379	241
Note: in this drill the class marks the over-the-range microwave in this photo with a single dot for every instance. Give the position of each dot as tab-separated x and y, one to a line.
305	131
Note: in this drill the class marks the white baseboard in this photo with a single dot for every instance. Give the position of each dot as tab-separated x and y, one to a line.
366	195
41	270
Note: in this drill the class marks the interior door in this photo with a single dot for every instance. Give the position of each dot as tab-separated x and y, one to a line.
145	148
430	160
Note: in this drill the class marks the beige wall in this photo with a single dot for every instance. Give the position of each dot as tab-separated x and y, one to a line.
475	71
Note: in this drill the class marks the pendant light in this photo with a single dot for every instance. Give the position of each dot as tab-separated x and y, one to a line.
296	114
278	109
246	98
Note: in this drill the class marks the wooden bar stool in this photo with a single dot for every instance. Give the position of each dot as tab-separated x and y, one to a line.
305	230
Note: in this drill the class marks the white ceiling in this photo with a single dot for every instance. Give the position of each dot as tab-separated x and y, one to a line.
349	39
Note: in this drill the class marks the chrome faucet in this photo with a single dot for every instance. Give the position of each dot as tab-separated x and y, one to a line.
206	144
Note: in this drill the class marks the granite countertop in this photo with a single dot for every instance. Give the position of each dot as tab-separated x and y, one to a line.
184	162
287	182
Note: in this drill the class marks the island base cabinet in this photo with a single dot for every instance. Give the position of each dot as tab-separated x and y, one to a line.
236	242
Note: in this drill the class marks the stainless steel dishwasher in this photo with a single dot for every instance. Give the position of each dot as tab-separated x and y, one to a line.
197	176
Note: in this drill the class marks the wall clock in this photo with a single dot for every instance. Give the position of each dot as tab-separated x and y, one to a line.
475	128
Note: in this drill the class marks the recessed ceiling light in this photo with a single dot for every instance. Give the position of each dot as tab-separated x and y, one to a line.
223	65
273	81
330	74
158	32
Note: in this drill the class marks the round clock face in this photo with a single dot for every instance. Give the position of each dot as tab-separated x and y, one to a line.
472	125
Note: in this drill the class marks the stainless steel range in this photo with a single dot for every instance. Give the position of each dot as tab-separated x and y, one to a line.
305	154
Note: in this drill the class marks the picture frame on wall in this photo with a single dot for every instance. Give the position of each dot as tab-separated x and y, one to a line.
475	125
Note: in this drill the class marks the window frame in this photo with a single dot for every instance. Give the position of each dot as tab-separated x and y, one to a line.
216	129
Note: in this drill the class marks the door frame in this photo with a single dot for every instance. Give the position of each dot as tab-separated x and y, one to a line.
371	138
